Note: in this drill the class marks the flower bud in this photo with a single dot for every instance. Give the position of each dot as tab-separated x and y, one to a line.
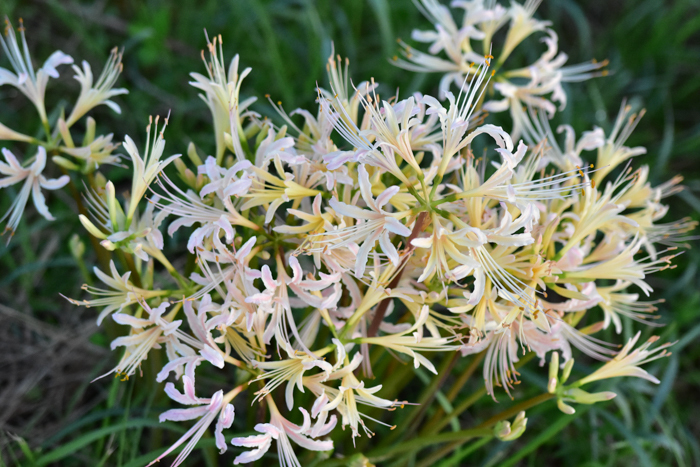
553	372
192	154
505	431
77	247
567	370
65	163
567	409
90	227
582	397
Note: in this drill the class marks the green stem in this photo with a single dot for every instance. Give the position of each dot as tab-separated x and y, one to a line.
382	454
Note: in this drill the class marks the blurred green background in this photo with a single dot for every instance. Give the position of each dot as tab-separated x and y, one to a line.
50	350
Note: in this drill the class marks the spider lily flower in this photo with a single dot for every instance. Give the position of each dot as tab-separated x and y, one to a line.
522	25
30	83
94	152
120	293
221	90
544	77
536	128
274	301
411	345
225	182
364	152
271	190
598	211
454	40
397	128
625	267
189	209
455	120
445	245
147	334
146	169
616	303
34	181
628	362
613	152
371	226
291	371
283	431
216	407
93	94
348	396
141	237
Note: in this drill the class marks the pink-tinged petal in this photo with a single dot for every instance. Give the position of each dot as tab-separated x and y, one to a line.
386	195
250	441
252	456
310	444
238	188
225	421
479	284
177	396
393	225
366	187
40	201
188	383
259	298
389	249
12	160
324	429
212	356
56	59
173	365
195	322
127	341
246	249
225	225
180	415
40	162
129	320
268	280
297	273
348	210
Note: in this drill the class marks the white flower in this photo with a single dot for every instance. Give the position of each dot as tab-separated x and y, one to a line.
94	94
221	93
290	370
31	84
628	361
146	169
207	410
372	225
34	181
120	294
282	430
147	334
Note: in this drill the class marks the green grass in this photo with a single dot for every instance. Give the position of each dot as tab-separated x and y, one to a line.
654	52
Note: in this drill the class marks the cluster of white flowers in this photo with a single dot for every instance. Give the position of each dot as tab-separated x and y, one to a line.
538	85
86	158
370	222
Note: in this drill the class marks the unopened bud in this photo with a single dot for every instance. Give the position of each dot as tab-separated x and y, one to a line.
567	370
553	372
65	163
90	227
567	409
506	431
192	154
77	247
